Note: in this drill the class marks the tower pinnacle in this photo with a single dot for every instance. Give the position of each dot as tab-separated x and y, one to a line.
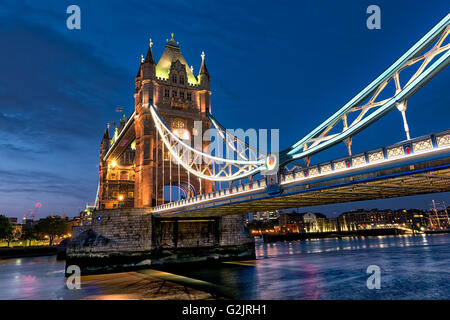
203	69
149	57
172	42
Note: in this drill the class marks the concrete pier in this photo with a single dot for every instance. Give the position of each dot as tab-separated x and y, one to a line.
132	238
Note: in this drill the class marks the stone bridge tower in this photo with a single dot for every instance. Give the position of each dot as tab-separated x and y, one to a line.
180	98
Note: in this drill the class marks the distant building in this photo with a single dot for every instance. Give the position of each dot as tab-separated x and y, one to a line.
360	219
13	220
306	222
28	224
371	219
264	216
290	222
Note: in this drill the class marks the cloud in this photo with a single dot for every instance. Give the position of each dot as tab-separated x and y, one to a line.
56	94
42	182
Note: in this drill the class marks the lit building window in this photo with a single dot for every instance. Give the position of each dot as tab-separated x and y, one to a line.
130	194
181	133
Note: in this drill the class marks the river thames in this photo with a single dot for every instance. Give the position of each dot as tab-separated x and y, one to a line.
412	267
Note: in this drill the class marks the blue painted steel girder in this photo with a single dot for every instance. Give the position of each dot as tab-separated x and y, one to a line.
294	152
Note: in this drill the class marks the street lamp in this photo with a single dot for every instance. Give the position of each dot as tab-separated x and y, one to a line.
120	198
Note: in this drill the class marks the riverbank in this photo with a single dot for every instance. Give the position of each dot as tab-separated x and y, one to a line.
138	286
273	237
21	252
436	231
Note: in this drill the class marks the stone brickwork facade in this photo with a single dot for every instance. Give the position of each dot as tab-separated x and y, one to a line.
233	231
180	98
137	177
119	239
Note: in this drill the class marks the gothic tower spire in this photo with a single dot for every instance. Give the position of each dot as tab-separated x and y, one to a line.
203	74
149	57
148	64
203	69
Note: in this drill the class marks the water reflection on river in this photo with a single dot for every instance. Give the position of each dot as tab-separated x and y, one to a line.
412	267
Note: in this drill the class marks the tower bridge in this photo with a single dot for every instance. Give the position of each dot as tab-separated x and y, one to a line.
136	224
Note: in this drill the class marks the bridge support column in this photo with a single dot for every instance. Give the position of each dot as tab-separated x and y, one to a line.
133	238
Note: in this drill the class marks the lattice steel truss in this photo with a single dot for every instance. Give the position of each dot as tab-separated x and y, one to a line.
201	164
365	103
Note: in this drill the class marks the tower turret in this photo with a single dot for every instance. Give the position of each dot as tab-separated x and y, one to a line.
103	166
104	145
172	88
148	64
122	123
203	74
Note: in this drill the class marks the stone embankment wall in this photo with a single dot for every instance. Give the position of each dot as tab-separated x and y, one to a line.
130	238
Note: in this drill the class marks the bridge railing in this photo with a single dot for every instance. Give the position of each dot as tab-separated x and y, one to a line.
387	154
409	148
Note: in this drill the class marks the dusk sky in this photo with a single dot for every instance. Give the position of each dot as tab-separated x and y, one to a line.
273	64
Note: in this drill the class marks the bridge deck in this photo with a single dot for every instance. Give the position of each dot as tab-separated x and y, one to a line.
412	175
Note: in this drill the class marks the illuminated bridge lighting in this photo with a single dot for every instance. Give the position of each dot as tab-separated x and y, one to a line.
386	155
